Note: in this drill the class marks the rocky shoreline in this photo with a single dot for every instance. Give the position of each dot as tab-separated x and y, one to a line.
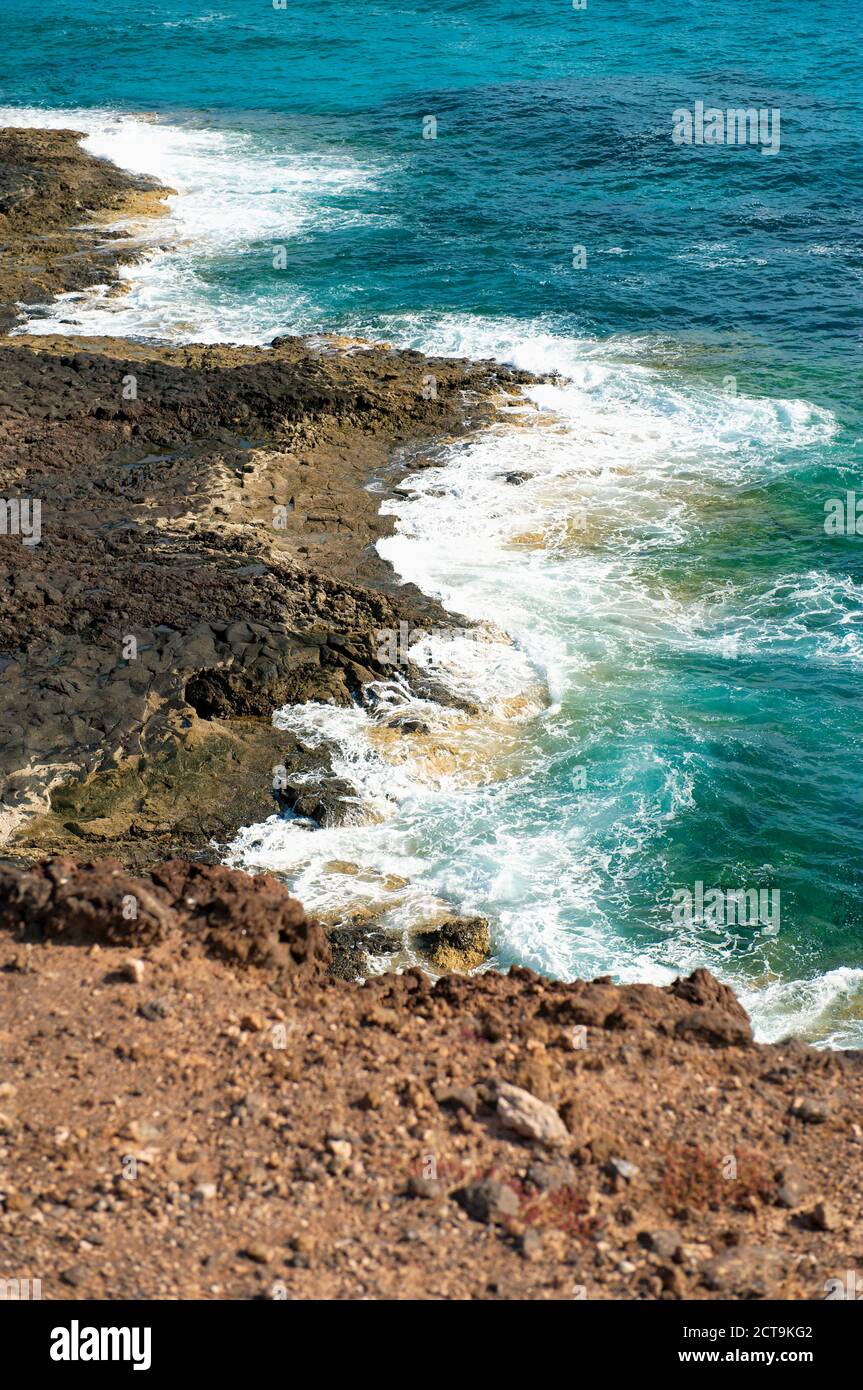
206	554
56	202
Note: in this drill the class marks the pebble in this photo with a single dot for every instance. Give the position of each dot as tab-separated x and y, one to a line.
153	1010
259	1254
812	1112
622	1168
824	1216
665	1243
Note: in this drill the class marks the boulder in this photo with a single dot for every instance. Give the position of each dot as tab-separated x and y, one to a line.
459	943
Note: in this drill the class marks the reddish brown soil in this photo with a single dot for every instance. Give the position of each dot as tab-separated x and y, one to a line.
297	1136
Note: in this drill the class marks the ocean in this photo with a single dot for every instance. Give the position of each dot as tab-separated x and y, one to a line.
670	669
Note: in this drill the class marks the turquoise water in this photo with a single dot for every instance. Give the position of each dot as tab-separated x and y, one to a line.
699	635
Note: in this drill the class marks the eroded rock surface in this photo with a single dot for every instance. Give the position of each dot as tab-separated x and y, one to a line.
53	198
205	556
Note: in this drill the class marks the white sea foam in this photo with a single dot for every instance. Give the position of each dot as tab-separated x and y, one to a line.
234	197
638	456
827	1008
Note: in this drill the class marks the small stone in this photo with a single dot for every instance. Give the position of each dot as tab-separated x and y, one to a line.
303	1246
133	971
74	1276
8	1090
259	1254
810	1111
488	1201
551	1177
460	1097
665	1243
340	1149
253	1023
142	1131
22	963
533	1119
416	1186
531	1245
746	1272
824	1217
792	1188
622	1168
372	1099
153	1010
205	1191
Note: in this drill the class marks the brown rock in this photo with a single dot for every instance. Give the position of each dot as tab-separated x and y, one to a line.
824	1217
715	1028
532	1118
488	1201
461	943
750	1271
258	1254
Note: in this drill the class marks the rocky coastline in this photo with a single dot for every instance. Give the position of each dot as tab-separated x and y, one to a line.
205	555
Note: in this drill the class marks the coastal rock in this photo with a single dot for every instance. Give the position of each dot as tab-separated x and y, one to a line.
459	943
207	547
704	990
47	182
665	1243
793	1186
352	942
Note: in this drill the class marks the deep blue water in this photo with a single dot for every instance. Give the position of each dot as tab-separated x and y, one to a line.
703	640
